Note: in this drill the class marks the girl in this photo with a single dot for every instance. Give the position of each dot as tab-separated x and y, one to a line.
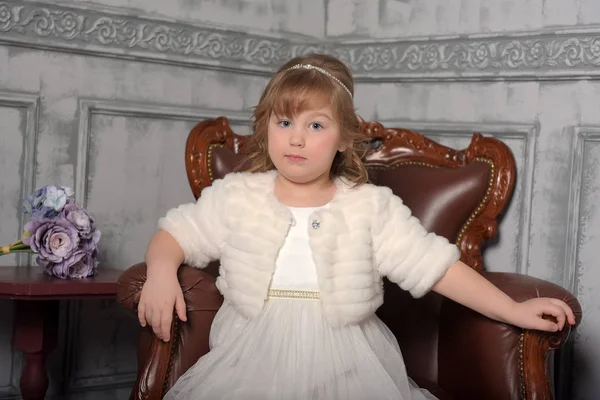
304	242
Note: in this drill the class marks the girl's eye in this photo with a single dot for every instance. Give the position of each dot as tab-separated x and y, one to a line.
316	126
284	124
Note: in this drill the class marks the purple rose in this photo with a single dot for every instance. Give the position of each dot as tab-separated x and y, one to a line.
80	218
53	239
90	246
84	267
80	265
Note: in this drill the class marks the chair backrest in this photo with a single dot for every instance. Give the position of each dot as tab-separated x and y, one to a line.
458	194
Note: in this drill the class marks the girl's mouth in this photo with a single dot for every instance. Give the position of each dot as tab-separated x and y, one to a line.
295	158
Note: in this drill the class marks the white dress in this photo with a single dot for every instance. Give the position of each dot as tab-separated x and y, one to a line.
290	352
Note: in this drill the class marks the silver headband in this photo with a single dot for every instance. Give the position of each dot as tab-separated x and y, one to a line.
324	72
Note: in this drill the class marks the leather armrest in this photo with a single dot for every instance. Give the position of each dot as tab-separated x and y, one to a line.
161	363
483	358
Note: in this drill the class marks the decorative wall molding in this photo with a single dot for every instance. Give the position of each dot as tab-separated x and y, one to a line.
582	136
527	133
90	107
30	103
87	109
100	32
559	54
74	381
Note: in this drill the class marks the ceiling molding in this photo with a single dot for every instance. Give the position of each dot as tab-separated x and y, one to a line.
563	54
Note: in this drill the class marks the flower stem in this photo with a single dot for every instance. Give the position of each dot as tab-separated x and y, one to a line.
27	250
16	247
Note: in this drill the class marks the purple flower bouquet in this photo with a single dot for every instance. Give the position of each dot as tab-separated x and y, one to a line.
63	235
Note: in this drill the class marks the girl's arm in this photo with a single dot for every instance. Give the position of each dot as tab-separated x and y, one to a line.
161	291
469	288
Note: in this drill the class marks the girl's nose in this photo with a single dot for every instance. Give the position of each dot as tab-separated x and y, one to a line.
297	139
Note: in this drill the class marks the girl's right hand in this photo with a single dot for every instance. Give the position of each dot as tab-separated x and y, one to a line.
160	294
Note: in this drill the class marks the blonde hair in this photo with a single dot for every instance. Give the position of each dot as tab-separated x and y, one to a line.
292	91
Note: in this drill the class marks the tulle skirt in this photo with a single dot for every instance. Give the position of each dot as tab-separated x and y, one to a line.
291	353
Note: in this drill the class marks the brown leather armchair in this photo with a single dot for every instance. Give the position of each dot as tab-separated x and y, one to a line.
449	349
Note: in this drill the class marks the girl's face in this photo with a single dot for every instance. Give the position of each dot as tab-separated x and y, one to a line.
302	147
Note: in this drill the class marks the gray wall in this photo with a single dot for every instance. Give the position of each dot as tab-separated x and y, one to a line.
101	96
531	89
75	111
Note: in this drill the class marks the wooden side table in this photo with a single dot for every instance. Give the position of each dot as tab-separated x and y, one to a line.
37	298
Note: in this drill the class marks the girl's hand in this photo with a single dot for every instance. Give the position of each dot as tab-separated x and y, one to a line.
528	314
160	294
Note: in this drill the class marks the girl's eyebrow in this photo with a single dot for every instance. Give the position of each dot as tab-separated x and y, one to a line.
321	114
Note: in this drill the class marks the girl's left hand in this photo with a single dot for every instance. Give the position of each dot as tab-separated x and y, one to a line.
528	314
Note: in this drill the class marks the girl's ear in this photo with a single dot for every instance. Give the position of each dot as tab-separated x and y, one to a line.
344	145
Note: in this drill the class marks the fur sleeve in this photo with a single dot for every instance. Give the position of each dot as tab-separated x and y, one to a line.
404	251
198	227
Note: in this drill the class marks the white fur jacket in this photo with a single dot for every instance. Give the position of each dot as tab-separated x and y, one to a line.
364	234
